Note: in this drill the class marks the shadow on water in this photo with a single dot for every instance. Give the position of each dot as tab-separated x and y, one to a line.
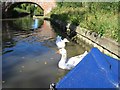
29	59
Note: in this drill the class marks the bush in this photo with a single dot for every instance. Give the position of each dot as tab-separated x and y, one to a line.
100	17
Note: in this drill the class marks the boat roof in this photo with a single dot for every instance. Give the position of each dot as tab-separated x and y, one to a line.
96	70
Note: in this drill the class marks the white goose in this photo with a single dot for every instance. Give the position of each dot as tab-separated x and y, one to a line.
72	62
61	43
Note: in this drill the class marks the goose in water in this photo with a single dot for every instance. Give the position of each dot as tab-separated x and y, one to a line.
58	38
61	43
70	63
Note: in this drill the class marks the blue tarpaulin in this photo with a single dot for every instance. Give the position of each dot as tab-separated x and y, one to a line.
96	70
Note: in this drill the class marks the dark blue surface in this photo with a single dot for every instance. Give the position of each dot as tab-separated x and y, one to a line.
96	70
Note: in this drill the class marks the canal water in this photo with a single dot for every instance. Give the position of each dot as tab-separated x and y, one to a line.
29	58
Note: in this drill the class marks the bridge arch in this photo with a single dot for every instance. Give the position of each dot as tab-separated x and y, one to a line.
45	6
10	8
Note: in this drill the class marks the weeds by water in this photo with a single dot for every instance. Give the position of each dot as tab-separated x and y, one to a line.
95	16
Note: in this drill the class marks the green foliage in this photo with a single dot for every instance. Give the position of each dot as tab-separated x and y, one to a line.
29	8
69	4
23	6
62	17
20	10
75	20
38	11
101	17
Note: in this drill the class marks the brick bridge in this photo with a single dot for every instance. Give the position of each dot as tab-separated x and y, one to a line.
46	5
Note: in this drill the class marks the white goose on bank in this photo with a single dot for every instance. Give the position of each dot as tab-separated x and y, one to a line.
70	63
61	43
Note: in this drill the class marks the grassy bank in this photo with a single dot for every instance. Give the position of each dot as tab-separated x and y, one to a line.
98	17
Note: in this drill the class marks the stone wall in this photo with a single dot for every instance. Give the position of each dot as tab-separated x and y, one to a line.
106	45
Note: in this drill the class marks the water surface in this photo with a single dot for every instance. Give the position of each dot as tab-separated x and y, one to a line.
29	58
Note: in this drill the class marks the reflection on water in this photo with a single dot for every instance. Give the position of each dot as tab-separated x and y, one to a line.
35	25
29	59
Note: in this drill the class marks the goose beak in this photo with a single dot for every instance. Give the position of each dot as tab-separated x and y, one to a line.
58	52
